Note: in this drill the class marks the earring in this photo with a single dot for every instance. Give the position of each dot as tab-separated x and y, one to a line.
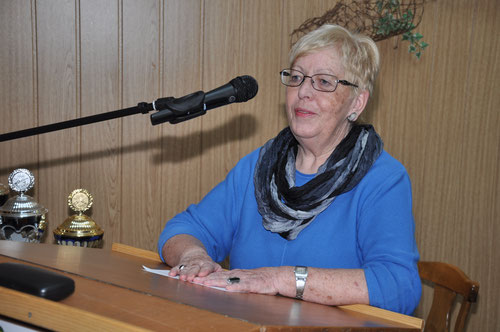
352	117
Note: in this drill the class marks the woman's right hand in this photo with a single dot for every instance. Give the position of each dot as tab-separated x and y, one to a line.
188	258
194	264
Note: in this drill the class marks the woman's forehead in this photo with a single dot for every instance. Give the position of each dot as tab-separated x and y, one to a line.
325	61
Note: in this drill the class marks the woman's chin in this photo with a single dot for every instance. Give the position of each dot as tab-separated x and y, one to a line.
304	132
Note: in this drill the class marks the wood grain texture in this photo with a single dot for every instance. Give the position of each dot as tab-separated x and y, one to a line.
49	314
58	86
63	59
480	211
100	93
141	143
17	83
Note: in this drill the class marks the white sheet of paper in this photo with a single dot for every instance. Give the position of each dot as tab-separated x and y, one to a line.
165	273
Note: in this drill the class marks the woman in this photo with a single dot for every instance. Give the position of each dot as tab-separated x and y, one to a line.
321	212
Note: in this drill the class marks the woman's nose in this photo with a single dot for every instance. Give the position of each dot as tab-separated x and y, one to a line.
306	89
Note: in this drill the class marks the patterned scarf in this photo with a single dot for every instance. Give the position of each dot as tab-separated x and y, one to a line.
287	209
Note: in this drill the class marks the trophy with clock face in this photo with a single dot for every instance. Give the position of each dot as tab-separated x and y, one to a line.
79	229
21	217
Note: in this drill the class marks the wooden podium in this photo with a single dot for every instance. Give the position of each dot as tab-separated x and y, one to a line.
113	292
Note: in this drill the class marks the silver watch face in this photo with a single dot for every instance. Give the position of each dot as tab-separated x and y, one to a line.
21	180
301	271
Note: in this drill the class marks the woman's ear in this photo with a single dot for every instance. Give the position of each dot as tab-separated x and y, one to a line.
359	103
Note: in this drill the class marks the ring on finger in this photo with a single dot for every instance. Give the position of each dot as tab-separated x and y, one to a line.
233	280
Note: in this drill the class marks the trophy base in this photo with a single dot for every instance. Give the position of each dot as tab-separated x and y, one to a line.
86	241
27	229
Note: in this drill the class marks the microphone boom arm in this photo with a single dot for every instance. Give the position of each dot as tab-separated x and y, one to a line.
173	110
170	109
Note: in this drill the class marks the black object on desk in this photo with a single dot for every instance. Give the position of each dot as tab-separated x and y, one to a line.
36	281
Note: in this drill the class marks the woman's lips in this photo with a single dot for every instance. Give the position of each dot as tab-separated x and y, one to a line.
303	112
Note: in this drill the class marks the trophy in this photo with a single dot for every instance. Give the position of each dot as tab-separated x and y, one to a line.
79	229
21	217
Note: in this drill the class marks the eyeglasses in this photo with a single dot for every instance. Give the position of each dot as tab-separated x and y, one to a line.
320	82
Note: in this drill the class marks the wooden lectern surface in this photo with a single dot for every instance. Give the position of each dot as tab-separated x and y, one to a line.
113	292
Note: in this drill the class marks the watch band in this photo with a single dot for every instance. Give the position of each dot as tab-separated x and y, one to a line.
300	280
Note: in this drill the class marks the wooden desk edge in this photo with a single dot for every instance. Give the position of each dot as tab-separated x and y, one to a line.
49	314
133	251
360	308
414	322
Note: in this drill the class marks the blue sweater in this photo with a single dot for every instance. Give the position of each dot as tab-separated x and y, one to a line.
370	227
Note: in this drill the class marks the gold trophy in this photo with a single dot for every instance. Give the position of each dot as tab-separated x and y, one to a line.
79	229
21	217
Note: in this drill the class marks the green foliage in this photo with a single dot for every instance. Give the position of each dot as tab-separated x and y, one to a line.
393	21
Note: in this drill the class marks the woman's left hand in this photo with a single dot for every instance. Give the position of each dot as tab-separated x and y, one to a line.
325	286
262	281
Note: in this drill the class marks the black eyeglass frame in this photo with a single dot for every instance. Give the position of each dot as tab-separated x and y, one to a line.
288	70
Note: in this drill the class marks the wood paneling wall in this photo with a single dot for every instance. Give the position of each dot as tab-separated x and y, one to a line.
64	59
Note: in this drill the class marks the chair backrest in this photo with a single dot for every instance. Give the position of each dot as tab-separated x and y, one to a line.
449	281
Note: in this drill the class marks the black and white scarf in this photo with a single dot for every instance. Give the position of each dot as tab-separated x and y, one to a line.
287	209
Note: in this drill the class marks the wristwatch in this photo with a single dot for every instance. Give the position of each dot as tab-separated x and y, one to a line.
300	280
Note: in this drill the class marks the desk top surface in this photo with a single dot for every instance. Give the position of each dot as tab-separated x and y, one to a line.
93	269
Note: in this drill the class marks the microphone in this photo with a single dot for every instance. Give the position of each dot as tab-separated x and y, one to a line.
175	110
238	90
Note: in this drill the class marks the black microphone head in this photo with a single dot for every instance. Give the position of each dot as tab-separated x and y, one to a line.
246	88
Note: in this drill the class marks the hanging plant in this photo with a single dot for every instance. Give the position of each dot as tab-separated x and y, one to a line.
394	20
378	19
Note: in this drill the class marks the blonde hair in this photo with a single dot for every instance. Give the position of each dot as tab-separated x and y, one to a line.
359	54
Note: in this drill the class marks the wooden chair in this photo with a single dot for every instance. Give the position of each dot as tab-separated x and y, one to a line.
449	281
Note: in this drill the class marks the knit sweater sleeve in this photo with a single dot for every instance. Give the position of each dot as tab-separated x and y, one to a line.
387	243
214	219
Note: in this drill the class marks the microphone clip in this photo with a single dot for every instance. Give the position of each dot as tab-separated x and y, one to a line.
175	110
